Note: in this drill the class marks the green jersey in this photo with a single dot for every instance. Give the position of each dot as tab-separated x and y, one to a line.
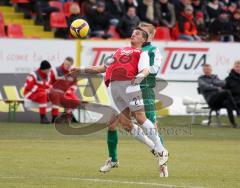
149	82
155	60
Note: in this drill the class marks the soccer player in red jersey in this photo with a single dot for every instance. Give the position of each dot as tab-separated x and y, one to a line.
124	71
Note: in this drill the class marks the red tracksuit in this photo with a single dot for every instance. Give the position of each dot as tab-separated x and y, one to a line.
63	92
37	87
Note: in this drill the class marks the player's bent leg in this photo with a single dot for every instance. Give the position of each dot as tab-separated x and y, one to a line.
134	129
152	133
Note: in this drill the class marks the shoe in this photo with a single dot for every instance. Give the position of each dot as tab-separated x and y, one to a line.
44	119
162	157
164	171
108	165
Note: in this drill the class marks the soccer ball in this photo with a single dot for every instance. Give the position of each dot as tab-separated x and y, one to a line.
79	28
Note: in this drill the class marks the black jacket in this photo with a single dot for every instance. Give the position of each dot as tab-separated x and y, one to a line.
126	26
209	86
164	14
98	21
233	84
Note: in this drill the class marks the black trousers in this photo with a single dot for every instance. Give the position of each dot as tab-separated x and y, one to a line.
224	99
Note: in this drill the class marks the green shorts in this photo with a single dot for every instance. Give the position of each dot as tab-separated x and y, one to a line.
149	104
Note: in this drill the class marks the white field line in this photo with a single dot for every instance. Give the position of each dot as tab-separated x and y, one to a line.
100	181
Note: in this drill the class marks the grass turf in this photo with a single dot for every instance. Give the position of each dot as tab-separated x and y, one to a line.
33	155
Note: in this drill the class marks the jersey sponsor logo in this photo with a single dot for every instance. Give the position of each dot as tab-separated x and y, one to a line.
184	59
126	52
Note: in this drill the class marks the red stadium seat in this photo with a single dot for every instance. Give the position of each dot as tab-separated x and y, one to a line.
15	31
1	18
20	1
2	30
58	20
162	33
174	33
67	6
56	4
113	32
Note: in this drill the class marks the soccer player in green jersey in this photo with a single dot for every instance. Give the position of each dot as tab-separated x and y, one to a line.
147	86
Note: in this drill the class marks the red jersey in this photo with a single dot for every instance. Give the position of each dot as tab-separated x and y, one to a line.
37	81
128	62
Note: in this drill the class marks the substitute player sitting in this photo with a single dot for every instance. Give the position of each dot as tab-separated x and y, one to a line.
129	66
63	92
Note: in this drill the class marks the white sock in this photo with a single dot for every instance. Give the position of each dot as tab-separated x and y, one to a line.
152	133
138	134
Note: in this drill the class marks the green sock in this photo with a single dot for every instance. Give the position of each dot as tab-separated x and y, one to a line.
112	141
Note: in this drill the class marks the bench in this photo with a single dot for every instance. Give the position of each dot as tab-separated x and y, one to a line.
12	107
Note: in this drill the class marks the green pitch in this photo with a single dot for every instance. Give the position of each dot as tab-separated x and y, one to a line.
33	155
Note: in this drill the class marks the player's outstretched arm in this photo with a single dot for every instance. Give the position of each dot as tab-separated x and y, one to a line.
93	69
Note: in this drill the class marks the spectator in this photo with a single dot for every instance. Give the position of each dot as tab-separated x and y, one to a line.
128	3
74	14
36	89
233	83
99	21
164	13
213	9
146	11
238	4
236	25
201	26
116	10
199	6
186	25
128	23
87	7
179	6
222	28
43	10
212	89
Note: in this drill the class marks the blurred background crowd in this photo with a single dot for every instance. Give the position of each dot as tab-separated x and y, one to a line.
191	20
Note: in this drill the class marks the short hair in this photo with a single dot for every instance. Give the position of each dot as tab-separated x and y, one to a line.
237	62
144	33
70	59
131	6
206	65
150	27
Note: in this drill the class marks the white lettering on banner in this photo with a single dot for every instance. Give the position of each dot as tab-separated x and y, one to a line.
25	55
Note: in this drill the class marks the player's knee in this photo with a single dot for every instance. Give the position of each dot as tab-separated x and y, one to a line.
112	126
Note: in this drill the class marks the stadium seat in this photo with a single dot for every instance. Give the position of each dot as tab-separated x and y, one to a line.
113	32
67	6
174	33
162	33
2	30
20	1
56	4
58	20
15	31
1	18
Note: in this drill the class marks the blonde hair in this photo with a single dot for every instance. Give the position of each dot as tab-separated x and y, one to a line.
150	29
